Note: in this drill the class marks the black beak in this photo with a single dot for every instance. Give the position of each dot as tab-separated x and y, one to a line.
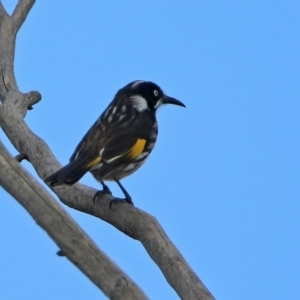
171	100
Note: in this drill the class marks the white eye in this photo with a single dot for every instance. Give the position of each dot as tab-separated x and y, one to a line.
155	92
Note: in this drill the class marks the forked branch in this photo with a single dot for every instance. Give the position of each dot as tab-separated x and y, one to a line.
130	220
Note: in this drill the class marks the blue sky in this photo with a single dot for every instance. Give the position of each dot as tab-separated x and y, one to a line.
223	179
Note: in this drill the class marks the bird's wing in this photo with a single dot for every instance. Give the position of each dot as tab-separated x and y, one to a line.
125	146
111	143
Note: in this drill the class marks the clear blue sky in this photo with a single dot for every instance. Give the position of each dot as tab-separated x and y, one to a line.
223	179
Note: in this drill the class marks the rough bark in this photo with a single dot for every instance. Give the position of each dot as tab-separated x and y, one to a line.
73	242
128	219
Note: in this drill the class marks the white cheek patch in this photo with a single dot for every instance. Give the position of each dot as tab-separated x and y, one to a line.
139	103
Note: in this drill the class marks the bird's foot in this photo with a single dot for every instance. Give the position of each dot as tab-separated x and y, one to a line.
118	200
105	190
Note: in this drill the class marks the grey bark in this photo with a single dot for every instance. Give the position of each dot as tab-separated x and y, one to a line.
73	242
128	219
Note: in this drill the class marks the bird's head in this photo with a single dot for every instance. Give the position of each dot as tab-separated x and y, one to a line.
146	95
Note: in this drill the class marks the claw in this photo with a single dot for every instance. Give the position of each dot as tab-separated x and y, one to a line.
116	200
128	200
105	190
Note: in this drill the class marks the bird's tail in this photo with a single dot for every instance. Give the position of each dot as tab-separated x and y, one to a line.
72	172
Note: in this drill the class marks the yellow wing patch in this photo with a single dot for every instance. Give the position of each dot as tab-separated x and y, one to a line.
137	149
95	161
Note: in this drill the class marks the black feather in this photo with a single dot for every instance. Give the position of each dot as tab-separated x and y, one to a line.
70	173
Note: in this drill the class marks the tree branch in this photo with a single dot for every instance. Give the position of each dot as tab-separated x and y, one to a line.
73	242
20	13
130	220
3	13
7	54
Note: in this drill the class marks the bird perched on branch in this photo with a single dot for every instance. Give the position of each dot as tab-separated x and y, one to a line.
120	140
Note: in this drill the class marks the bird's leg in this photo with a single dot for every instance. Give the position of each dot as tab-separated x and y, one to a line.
127	196
105	187
105	190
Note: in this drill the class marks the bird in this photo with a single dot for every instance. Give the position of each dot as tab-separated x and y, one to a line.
120	140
